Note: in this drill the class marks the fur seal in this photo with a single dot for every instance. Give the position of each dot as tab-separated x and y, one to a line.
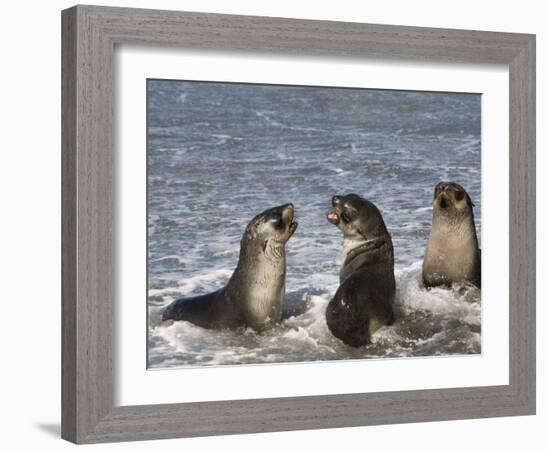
452	254
253	296
364	300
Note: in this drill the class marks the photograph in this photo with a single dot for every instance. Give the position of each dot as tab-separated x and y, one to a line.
311	223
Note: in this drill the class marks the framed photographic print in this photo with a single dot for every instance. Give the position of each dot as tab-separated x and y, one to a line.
278	224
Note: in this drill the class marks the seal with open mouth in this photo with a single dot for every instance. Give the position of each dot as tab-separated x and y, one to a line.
452	254
253	296
364	300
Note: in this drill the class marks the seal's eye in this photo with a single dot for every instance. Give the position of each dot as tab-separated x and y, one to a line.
277	221
346	216
459	195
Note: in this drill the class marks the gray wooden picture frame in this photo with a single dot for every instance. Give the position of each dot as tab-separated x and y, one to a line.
90	34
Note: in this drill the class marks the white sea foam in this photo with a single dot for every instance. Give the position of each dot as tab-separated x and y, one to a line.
222	138
209	281
276	123
439	321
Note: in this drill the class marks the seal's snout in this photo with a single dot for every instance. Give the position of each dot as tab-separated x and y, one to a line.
287	212
333	217
447	195
288	217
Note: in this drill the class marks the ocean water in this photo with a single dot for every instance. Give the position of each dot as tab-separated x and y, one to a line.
220	153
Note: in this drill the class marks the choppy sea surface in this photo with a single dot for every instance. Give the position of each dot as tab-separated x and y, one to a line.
220	153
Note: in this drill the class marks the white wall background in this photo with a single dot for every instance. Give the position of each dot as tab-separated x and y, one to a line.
31	208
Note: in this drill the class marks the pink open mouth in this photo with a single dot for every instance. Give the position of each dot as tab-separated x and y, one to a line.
333	217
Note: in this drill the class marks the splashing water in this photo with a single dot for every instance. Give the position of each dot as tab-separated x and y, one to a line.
440	321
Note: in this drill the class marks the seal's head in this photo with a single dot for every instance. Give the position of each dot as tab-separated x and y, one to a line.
358	218
274	226
451	199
